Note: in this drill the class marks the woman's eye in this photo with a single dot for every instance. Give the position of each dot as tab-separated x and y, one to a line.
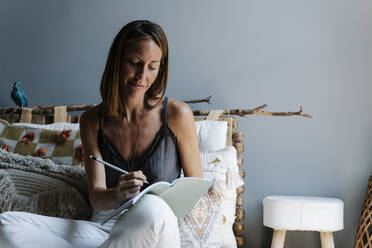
152	68
132	62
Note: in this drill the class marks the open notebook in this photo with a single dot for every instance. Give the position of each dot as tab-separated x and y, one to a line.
181	195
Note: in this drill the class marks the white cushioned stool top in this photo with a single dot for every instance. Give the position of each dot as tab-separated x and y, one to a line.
303	213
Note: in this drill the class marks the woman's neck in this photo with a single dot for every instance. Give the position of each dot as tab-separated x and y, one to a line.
134	108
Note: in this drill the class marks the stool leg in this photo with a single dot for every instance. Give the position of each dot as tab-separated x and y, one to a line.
327	240
278	239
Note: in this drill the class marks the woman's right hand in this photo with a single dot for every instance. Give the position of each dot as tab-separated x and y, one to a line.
129	185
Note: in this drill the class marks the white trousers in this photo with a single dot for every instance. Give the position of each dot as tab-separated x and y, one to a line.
150	223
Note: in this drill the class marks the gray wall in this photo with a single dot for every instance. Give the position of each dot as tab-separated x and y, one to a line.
245	53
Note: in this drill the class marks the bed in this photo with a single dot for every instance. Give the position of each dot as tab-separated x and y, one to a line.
31	121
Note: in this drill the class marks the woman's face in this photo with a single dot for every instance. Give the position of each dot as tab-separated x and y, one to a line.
141	66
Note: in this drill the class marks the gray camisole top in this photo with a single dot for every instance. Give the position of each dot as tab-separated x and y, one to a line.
159	162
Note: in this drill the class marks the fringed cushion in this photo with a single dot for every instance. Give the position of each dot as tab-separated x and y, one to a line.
221	166
40	186
39	194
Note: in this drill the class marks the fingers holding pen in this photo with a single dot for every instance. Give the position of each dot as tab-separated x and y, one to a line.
134	175
133	180
129	184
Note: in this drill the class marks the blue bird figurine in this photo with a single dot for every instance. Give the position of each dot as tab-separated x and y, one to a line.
18	95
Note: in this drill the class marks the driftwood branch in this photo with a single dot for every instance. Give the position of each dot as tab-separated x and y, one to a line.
207	100
44	110
255	111
49	109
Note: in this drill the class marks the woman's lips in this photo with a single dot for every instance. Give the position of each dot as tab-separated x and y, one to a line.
137	85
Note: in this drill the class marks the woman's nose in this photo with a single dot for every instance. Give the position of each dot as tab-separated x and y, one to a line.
140	72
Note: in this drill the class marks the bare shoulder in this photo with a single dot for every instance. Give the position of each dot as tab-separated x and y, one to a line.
90	118
179	117
178	111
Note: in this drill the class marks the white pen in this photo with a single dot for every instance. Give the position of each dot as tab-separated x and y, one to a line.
111	166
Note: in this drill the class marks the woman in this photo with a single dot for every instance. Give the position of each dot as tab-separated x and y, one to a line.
138	129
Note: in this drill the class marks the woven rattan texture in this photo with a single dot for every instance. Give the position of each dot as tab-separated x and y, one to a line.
364	235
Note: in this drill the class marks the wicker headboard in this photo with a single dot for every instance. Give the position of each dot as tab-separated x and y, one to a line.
51	114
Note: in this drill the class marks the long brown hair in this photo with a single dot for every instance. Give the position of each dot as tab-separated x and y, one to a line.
110	83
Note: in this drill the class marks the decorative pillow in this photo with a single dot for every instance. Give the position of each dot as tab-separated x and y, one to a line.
39	186
35	193
202	227
221	166
63	147
58	126
211	134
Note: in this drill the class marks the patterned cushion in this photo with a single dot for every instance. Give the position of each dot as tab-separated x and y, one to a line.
41	142
202	227
58	126
221	166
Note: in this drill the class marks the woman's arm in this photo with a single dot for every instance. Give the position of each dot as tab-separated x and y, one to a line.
100	197
181	121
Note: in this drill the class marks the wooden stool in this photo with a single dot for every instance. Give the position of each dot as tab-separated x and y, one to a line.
303	213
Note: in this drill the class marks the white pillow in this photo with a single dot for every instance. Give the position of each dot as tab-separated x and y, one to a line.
211	134
59	126
221	166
